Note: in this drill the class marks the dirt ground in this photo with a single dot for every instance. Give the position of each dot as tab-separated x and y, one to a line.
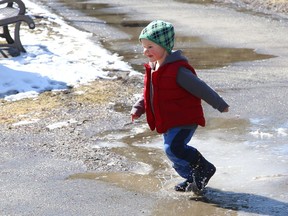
100	107
267	6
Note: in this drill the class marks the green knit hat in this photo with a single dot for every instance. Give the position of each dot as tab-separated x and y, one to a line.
161	33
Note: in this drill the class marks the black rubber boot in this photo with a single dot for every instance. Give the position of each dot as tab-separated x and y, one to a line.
183	186
202	171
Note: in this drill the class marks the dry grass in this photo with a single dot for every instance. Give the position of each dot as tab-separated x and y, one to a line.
278	1
99	92
15	111
272	5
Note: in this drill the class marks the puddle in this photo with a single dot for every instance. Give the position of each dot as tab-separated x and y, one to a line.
186	207
180	203
129	181
144	147
200	54
203	56
215	202
197	1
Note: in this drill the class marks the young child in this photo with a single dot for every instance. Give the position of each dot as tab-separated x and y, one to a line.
172	103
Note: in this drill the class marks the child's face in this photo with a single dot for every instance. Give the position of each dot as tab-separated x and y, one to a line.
153	51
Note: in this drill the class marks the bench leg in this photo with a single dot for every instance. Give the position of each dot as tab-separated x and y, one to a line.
7	35
17	42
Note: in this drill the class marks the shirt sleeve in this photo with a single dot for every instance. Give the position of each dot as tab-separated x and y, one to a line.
138	108
190	82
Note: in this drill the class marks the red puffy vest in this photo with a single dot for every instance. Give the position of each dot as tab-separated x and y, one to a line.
172	105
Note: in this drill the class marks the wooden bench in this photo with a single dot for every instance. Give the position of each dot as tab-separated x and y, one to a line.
12	14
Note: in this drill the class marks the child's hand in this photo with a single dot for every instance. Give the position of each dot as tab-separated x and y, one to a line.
133	117
226	109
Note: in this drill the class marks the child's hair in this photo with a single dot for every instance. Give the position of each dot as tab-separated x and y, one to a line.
161	33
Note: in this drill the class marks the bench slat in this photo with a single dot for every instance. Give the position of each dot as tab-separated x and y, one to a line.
8	12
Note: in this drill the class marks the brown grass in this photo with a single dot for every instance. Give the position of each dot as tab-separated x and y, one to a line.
99	92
